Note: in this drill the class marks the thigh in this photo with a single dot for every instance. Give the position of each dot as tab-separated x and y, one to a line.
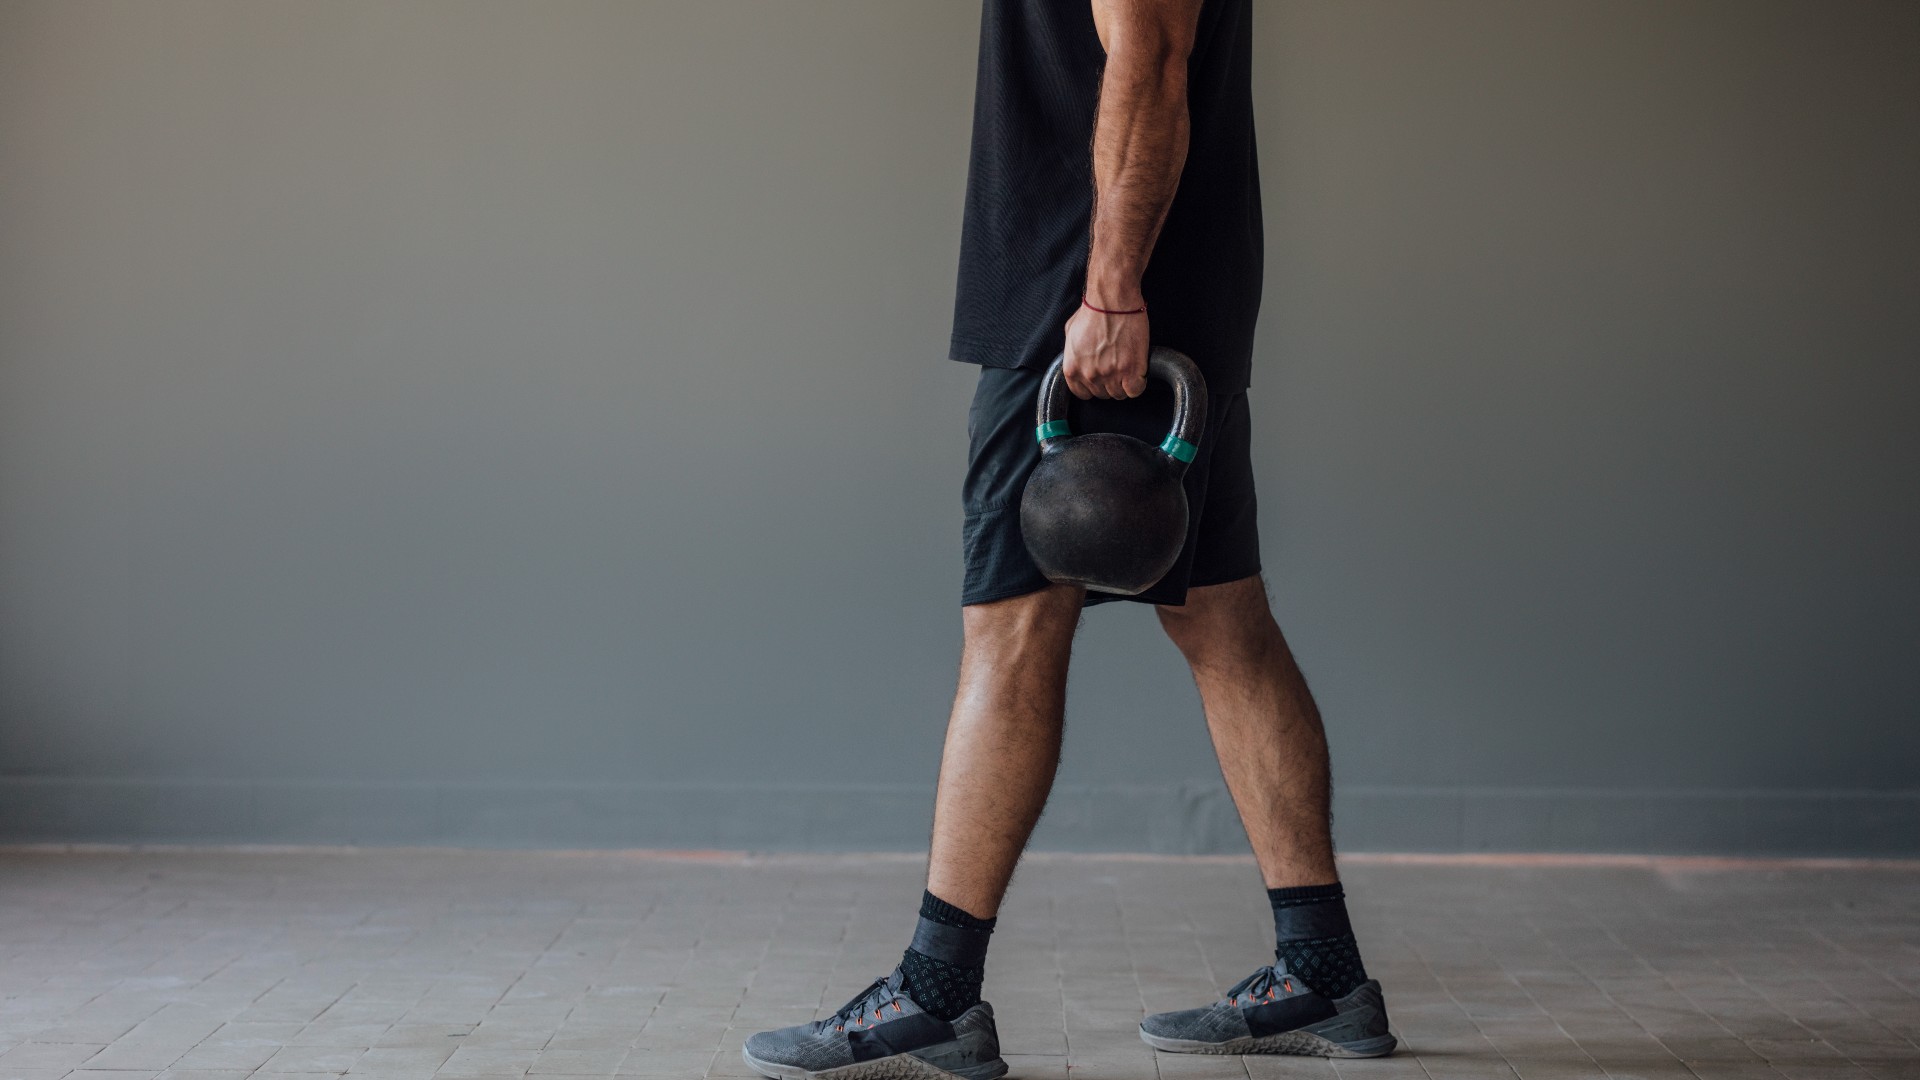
1226	539
1001	452
1223	543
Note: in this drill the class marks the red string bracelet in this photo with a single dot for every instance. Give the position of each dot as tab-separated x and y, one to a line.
1141	310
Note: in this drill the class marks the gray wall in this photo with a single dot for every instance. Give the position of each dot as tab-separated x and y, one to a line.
515	423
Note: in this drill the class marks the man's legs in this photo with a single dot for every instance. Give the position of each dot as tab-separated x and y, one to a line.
1317	998
1003	747
1265	727
1003	743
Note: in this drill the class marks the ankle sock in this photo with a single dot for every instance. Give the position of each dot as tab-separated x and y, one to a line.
1313	939
944	966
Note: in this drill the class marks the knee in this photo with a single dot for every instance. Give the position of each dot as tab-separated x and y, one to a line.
1217	618
1046	615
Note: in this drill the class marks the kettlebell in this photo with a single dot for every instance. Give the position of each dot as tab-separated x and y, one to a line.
1104	510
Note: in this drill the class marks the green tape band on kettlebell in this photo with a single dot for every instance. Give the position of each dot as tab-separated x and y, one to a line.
1053	429
1178	447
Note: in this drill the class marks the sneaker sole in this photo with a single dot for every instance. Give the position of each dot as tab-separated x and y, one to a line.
1300	1043
892	1067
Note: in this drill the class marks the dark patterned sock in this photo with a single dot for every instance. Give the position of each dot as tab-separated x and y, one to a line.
943	968
1314	940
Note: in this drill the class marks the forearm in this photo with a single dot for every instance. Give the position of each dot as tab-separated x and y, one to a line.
1139	148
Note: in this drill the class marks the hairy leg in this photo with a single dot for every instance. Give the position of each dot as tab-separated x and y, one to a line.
1266	729
1003	743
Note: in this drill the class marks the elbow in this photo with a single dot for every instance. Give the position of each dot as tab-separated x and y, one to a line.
1156	54
1170	68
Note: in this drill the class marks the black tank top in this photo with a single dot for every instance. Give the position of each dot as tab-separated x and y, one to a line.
1023	244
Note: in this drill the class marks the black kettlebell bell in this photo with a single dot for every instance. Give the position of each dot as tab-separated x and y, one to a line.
1105	510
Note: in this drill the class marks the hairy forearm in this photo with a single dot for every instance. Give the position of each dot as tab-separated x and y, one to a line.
1139	148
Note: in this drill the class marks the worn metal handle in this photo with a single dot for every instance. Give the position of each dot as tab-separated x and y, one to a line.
1169	365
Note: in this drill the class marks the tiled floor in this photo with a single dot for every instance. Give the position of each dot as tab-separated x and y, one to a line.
406	965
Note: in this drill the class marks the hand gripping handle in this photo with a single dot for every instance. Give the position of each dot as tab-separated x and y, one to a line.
1189	404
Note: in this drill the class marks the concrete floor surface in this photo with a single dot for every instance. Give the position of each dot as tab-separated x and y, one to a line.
412	965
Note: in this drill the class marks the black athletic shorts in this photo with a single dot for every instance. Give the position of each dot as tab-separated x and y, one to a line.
1223	540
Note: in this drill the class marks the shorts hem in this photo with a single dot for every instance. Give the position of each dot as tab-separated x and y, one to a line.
1002	594
1226	579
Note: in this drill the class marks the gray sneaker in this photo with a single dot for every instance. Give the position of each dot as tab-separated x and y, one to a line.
882	1035
1272	1012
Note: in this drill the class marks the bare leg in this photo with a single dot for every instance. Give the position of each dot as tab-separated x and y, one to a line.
1265	727
1003	743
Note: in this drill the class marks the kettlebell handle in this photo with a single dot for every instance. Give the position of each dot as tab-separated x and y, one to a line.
1189	403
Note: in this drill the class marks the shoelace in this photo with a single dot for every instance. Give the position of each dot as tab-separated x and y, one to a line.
855	1012
1263	985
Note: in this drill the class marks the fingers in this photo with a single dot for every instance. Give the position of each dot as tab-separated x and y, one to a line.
1107	386
1106	356
1120	386
1076	385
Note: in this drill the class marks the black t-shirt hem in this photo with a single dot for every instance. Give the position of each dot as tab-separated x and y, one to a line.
972	350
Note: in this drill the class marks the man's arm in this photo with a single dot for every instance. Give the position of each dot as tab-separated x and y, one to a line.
1139	148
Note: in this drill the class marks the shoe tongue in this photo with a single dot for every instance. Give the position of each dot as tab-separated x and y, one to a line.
1252	983
894	982
869	998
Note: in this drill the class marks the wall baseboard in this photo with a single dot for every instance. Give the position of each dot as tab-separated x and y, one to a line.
1191	818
